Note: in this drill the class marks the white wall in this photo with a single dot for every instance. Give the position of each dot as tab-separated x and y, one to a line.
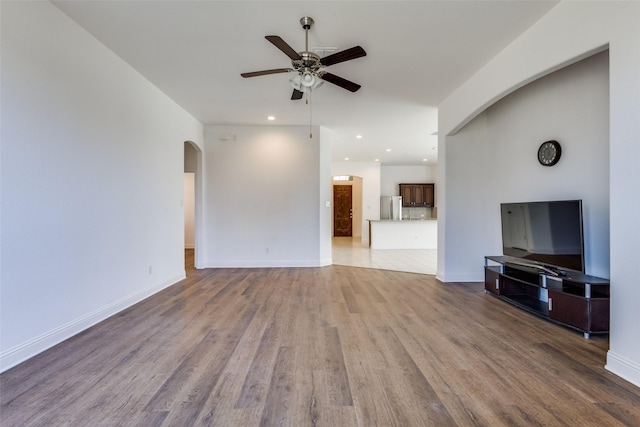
470	221
358	207
265	197
326	197
370	174
392	176
92	182
569	32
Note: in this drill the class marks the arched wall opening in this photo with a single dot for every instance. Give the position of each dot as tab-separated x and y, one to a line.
192	201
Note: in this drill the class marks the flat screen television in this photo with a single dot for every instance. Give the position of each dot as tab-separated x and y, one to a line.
545	234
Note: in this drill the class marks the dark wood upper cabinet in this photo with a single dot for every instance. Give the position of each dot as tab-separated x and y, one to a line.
429	194
417	195
406	191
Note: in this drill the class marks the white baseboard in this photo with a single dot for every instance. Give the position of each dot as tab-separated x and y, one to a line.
623	368
462	277
268	264
18	354
325	261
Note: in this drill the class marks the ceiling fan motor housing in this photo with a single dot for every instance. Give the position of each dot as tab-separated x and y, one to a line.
310	61
306	22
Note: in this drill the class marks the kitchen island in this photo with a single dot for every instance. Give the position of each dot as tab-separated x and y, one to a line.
403	234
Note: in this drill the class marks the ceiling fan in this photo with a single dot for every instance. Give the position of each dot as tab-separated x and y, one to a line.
309	66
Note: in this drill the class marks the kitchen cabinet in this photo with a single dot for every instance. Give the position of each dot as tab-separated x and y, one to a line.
417	195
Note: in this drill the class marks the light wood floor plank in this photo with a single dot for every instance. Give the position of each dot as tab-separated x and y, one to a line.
280	396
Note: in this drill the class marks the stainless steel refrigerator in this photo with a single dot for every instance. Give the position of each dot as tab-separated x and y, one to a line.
391	207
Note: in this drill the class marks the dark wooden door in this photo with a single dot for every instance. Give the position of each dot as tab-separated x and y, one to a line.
342	210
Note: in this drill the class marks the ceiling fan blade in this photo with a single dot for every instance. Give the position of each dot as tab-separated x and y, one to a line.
339	81
344	55
296	95
283	46
265	72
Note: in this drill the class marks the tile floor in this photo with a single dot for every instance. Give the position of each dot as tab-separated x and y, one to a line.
349	251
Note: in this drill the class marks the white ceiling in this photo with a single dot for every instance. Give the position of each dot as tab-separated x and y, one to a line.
418	52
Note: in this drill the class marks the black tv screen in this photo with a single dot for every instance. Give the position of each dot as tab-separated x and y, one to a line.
544	233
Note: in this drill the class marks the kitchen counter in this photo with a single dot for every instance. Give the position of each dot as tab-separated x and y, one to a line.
404	234
403	220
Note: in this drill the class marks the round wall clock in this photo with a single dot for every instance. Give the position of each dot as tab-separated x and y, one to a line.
549	153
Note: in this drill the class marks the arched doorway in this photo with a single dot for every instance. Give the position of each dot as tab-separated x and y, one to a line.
192	203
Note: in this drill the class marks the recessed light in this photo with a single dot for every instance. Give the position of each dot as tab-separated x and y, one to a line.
346	158
424	160
388	149
376	160
271	118
358	136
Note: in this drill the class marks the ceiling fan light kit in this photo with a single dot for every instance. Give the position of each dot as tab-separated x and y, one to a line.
309	65
305	82
308	79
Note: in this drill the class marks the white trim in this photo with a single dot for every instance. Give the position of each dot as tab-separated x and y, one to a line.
269	264
325	262
623	368
18	354
461	277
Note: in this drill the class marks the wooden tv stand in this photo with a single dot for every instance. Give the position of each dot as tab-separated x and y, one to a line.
574	300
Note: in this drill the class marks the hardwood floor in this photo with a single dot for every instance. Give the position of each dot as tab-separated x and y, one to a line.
331	346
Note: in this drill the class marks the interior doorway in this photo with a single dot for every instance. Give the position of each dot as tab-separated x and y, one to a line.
192	203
